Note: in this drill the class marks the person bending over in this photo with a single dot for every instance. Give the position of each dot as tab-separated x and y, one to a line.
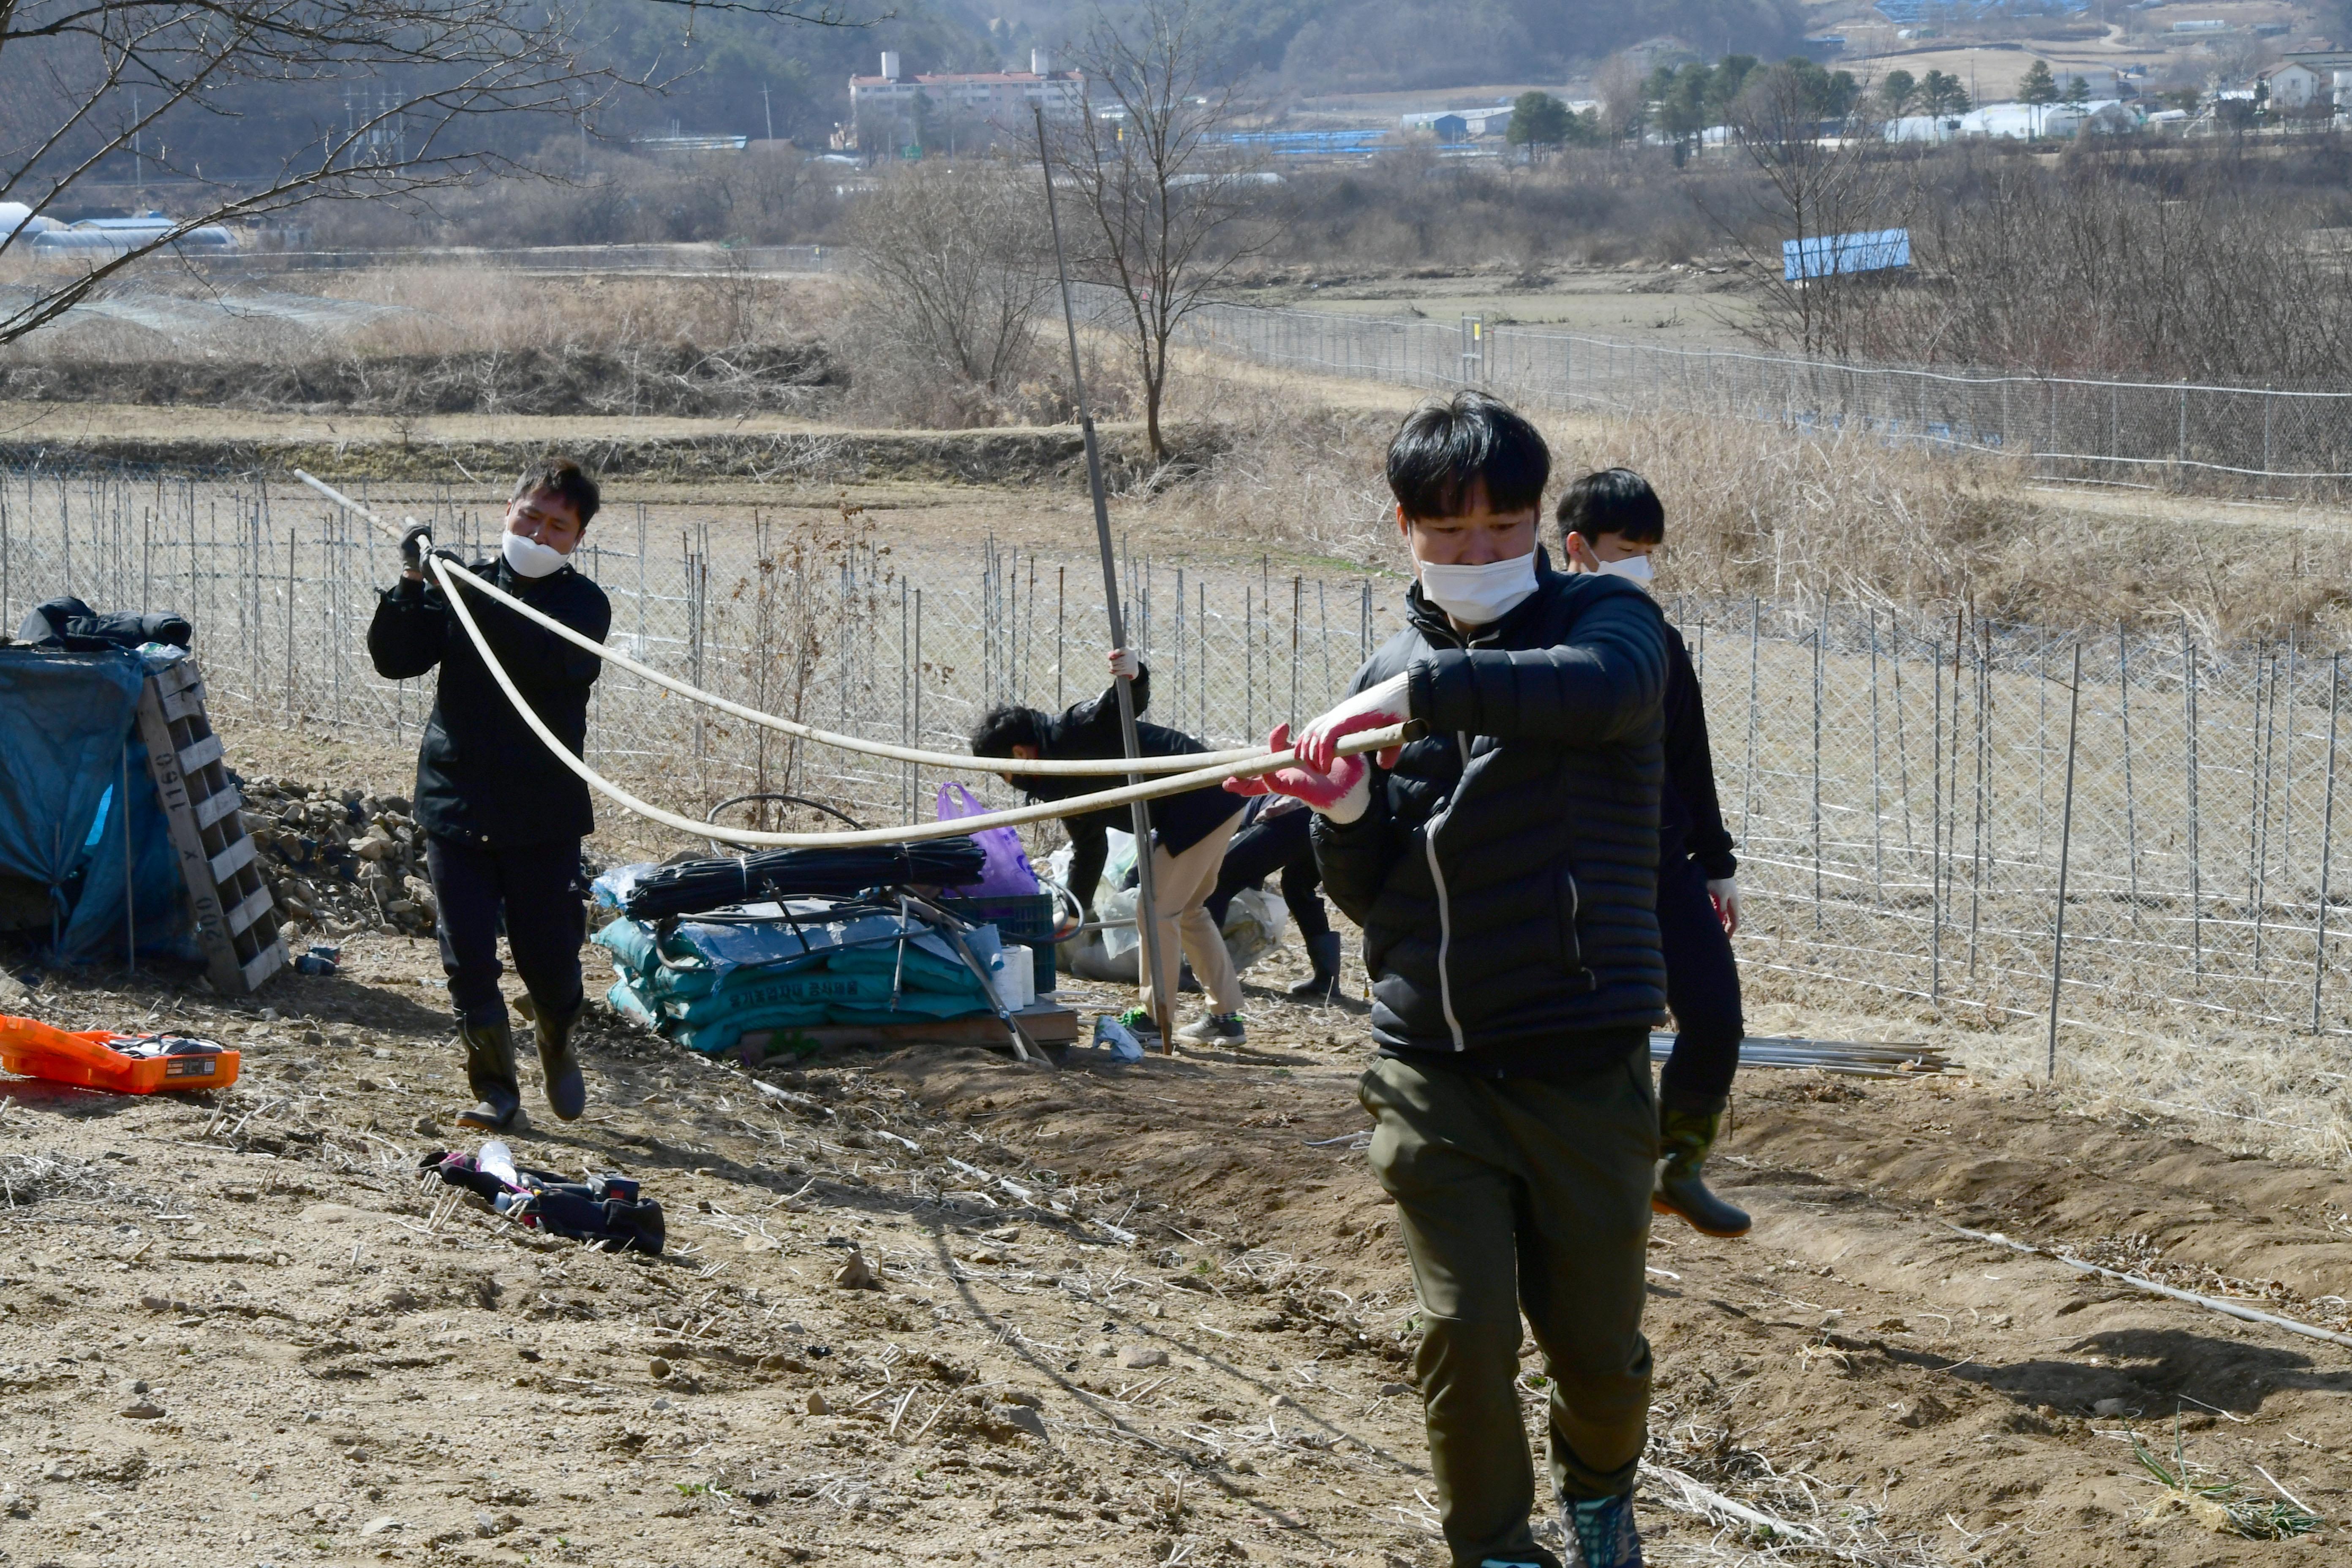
1503	866
1189	833
503	819
1609	521
1273	838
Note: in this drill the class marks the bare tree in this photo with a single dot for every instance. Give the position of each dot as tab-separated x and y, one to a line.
339	99
957	261
1162	194
1819	172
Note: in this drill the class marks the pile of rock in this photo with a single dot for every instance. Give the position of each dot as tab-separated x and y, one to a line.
340	859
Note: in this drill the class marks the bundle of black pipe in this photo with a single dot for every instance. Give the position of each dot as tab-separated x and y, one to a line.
695	886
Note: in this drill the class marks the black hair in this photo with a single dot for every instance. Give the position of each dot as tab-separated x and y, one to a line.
1448	451
565	477
1005	726
1615	500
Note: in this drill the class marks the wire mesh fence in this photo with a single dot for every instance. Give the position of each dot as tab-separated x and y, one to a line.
1911	793
819	623
2066	426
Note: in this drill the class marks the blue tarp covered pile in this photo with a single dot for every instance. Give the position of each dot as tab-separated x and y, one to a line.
707	982
73	781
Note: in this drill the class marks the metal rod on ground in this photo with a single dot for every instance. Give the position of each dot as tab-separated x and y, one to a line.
2065	841
2326	842
1163	979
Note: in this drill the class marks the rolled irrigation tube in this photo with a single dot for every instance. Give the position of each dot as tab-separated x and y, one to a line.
1253	764
2227	1308
1099	767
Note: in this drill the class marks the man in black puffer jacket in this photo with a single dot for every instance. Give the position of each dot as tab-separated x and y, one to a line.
503	817
1503	866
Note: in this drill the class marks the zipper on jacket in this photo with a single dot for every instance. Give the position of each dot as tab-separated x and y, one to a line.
1444	930
1437	879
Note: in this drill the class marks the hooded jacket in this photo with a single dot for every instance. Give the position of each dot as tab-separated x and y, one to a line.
1505	871
1090	730
482	777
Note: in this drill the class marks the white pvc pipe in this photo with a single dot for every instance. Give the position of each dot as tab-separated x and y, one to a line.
1074	768
1256	764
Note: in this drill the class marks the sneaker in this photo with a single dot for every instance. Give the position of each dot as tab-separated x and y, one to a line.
1141	1023
1602	1529
1214	1029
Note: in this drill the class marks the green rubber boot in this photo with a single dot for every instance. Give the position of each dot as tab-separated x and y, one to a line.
1684	1137
491	1074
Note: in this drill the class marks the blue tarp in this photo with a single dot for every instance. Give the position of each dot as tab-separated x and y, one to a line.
70	720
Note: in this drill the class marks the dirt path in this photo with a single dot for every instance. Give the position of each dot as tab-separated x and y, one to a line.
237	1330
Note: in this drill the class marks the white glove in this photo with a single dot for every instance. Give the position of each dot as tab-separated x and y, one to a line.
1389	702
1724	891
1123	665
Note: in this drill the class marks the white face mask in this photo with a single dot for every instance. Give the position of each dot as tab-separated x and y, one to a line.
530	558
1633	569
1477	595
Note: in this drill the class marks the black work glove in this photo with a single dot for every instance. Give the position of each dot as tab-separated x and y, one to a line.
412	547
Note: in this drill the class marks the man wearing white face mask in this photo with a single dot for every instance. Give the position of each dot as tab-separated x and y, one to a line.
1502	864
503	819
1610	523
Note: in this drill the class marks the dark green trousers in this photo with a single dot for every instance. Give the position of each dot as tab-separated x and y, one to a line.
1522	1194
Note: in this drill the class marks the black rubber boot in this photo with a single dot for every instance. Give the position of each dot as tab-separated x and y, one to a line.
559	1065
1323	985
1684	1137
490	1073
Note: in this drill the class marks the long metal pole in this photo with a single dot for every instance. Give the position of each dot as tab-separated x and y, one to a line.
2065	840
2326	842
1161	980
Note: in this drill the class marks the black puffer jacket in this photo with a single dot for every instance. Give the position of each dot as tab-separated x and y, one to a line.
482	777
1506	872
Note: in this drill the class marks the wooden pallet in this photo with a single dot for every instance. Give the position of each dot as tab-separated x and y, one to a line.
236	920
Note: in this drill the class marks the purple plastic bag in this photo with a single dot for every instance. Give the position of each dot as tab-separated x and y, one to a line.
1008	871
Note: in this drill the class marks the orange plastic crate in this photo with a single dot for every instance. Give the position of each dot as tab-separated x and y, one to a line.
101	1058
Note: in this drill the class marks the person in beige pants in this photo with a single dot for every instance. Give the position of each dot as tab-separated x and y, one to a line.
1180	885
1189	833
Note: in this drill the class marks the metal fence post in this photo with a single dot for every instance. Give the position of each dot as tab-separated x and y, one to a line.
1821	641
2065	844
1936	833
2326	843
2196	888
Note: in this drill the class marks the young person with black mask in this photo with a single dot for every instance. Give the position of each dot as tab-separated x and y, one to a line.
1610	523
1503	864
503	819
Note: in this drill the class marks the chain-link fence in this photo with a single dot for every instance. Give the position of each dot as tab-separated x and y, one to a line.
815	622
1910	795
2066	426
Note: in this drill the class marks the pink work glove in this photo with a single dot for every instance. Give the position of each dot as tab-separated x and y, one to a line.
1340	794
1389	702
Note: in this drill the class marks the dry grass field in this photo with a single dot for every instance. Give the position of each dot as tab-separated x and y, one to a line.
233	1329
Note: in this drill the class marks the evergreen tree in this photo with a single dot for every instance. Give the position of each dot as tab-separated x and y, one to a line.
1538	120
1897	89
2039	85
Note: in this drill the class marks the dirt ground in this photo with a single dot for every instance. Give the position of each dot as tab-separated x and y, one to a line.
1149	1315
